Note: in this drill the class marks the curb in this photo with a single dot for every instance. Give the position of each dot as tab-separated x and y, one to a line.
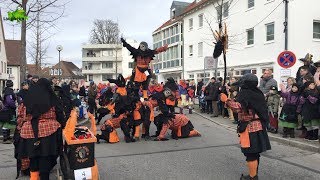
290	142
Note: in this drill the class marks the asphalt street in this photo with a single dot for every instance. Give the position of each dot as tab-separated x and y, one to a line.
216	155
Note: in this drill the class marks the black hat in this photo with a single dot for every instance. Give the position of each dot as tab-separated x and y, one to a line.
246	78
24	83
35	77
274	88
307	58
9	83
317	64
295	85
308	83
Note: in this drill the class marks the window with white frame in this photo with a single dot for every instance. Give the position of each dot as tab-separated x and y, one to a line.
107	65
200	49
105	77
191	76
190	50
250	36
9	70
200	20
90	77
190	24
130	64
316	29
250	4
270	31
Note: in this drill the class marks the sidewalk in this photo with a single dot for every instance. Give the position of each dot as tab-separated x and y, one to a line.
313	146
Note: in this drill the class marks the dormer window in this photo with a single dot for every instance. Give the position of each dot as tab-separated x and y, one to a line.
173	13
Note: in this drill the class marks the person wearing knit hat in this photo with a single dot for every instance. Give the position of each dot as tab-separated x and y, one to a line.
288	118
253	116
9	110
273	101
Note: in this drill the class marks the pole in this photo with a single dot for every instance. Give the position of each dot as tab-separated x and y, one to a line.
59	68
116	62
204	69
286	24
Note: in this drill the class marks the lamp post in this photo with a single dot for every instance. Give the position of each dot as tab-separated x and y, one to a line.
59	49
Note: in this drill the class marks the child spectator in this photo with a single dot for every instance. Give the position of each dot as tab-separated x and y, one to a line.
289	117
273	100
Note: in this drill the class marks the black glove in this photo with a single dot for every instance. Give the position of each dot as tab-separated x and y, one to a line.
122	40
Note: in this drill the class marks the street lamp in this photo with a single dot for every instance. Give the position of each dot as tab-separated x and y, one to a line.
59	49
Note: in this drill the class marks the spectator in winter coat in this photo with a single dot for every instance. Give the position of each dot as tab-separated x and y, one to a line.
199	86
22	93
267	81
8	111
289	114
273	100
304	72
307	63
214	95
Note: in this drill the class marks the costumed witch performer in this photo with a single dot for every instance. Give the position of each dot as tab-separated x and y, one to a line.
180	125
171	98
141	74
41	134
252	111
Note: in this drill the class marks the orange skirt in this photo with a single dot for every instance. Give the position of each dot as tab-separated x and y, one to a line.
139	76
245	139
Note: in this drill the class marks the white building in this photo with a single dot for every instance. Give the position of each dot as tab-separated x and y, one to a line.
127	60
103	61
13	48
3	57
256	35
169	63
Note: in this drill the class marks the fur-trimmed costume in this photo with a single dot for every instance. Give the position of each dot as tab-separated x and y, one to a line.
142	57
253	115
180	125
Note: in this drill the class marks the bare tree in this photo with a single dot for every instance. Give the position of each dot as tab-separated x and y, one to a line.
37	44
51	10
104	32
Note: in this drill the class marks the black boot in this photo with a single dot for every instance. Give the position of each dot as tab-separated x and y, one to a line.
6	135
285	132
292	133
309	135
314	136
247	177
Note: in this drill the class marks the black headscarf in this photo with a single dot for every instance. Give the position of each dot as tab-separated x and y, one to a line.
251	97
39	100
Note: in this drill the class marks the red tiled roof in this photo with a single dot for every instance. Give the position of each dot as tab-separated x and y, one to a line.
31	68
189	8
169	22
193	5
13	51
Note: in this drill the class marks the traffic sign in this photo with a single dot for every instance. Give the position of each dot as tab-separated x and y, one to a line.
286	59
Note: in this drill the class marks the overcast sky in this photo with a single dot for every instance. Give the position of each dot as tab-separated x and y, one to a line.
137	20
